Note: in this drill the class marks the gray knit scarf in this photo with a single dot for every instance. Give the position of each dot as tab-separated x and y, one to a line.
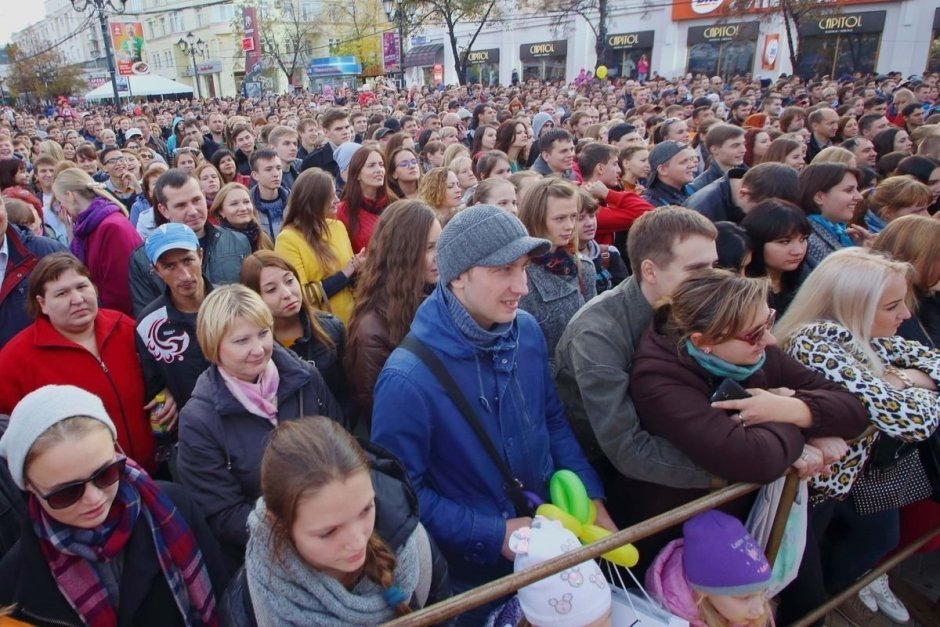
287	591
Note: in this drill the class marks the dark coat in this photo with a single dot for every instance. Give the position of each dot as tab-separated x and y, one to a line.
368	351
25	578
322	158
328	360
12	504
221	443
715	203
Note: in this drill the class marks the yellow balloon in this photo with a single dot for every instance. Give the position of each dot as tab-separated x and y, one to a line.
553	512
601	72
592	513
626	556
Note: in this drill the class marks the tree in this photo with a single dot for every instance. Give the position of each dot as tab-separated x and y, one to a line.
793	13
450	13
360	28
595	12
285	29
43	74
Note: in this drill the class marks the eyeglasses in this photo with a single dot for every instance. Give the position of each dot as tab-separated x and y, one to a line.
407	163
116	160
757	334
71	493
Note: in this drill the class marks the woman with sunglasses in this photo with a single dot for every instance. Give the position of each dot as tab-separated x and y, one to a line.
103	544
712	333
844	324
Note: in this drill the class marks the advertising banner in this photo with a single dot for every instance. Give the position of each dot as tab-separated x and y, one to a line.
127	39
768	60
390	52
251	44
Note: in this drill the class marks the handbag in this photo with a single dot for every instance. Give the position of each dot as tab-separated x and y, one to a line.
760	522
930	458
513	486
634	607
894	477
316	296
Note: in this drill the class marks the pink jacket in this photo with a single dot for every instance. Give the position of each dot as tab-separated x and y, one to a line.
108	252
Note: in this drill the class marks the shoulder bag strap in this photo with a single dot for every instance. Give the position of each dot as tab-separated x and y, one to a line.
513	486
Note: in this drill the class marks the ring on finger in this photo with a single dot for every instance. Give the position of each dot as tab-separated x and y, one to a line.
741	418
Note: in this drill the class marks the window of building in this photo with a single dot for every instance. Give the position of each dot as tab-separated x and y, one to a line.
933	57
841	44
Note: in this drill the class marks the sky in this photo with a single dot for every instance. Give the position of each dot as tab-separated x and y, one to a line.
18	15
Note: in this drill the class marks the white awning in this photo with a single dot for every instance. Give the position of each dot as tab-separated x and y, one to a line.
145	85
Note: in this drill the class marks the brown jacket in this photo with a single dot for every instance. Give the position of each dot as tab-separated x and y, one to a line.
367	349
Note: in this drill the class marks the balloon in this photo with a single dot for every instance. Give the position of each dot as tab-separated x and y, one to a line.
601	72
592	515
567	521
626	556
569	494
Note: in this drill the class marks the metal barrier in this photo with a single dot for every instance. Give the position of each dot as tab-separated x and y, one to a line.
510	583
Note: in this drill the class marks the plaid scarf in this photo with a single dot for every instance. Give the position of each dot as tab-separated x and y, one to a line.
69	551
561	262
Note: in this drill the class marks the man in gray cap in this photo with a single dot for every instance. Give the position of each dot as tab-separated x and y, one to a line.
672	168
468	405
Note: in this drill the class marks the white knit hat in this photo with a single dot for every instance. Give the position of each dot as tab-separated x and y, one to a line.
40	410
573	597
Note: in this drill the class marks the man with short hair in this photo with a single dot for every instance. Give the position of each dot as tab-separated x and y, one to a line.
471	330
579	123
308	131
771	105
359	123
216	124
870	124
672	166
267	194
150	140
410	125
740	110
20	251
192	134
913	116
283	141
121	181
875	105
622	135
170	355
595	354
725	146
179	199
600	168
431	122
823	125
739	190
338	131
556	154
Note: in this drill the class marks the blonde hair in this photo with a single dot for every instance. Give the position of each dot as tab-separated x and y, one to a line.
845	288
51	148
78	182
70	429
835	154
458	162
915	240
533	206
432	189
222	309
453	151
896	193
713	618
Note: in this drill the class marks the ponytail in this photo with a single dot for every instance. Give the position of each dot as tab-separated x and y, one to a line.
380	568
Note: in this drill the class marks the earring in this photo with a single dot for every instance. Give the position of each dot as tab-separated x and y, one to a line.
707	350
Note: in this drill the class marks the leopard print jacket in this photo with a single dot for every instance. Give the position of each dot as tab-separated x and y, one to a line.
910	415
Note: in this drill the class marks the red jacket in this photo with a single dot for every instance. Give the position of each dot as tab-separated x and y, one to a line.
368	217
617	213
39	355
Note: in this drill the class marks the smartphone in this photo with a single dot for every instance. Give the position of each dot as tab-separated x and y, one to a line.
729	390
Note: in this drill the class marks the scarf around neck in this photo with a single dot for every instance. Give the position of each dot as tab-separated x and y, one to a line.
251	230
295	594
87	221
468	327
259	398
719	367
72	553
836	229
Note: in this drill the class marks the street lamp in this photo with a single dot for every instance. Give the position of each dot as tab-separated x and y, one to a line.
395	13
193	47
117	6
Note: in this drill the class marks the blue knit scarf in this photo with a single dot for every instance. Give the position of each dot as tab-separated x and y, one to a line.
836	229
719	367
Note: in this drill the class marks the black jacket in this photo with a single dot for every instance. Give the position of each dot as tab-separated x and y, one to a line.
12	504
25	579
221	443
396	517
322	158
714	202
659	194
329	361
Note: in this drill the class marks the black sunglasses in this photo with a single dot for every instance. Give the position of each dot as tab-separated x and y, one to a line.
71	493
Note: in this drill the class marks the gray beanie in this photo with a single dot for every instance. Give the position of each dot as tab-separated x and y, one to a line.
483	235
344	154
40	410
538	121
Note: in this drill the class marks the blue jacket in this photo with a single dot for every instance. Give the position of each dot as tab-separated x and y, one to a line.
25	250
463	503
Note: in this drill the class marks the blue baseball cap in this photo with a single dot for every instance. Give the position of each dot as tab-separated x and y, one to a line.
170	236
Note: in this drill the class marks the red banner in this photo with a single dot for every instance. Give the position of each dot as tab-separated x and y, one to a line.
768	59
253	49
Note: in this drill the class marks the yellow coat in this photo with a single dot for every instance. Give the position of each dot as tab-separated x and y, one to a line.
292	245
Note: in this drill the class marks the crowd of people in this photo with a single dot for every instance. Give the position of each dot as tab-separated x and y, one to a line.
306	360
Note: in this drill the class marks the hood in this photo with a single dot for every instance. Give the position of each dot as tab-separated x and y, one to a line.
396	504
666	582
538	121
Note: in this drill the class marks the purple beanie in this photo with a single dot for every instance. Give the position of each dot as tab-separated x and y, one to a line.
721	557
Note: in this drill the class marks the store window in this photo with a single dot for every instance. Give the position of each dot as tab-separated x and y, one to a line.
628	54
483	66
544	61
840	45
933	57
723	50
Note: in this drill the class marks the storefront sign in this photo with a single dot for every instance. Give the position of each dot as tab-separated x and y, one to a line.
719	33
557	48
699	9
207	67
625	41
480	57
871	22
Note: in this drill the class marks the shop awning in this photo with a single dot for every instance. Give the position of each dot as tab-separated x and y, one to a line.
423	56
143	85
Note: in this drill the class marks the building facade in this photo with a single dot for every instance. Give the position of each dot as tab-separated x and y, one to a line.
672	39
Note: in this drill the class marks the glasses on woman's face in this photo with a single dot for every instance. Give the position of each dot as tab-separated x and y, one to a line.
407	163
755	336
72	493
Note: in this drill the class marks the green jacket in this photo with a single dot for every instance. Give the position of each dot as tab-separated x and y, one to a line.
592	372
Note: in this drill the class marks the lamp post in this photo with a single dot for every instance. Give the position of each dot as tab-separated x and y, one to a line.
192	46
395	13
100	6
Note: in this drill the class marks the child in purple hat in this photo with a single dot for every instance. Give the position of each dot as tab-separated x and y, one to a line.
715	576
